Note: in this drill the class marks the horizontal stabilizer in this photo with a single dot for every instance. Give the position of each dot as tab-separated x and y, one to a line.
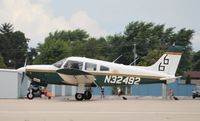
170	79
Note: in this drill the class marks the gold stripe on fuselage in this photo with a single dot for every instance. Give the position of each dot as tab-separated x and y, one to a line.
38	70
173	53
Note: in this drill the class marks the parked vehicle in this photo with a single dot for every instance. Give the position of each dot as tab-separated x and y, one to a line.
196	92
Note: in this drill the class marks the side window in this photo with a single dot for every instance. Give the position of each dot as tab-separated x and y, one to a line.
104	68
74	65
90	66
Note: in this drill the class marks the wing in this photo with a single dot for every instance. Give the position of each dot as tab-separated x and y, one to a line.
75	76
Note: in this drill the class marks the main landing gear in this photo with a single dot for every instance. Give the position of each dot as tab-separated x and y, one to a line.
87	95
83	93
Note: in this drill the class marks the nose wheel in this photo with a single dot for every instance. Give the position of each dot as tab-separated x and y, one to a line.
30	95
33	91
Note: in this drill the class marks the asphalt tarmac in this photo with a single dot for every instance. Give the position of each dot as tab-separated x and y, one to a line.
109	109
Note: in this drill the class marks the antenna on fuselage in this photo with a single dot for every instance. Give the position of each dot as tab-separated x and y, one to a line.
117	58
133	62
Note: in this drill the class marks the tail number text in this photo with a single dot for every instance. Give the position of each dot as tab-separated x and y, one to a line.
121	80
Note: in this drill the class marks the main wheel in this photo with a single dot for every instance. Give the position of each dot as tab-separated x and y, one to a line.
88	95
193	96
79	96
30	95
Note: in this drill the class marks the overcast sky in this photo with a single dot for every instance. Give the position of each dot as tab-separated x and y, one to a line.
36	18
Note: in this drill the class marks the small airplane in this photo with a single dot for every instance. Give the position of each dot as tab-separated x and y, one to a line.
84	72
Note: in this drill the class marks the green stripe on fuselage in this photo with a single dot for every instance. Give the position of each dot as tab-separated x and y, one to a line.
46	77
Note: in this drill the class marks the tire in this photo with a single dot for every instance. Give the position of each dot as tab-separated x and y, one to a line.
193	96
79	96
30	96
88	95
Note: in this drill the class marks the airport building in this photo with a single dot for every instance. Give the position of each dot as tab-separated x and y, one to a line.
194	77
156	89
9	85
178	87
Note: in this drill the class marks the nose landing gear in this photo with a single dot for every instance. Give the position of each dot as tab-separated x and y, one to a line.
38	91
33	91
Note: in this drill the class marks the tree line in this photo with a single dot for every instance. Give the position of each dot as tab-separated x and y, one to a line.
151	41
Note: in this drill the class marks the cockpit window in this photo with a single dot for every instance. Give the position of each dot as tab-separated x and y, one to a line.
104	68
74	64
90	66
59	63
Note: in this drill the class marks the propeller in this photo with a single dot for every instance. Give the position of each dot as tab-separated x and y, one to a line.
22	80
23	70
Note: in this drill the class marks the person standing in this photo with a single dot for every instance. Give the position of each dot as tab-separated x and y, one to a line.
119	91
102	92
171	94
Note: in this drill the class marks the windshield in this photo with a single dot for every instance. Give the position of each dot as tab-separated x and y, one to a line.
59	63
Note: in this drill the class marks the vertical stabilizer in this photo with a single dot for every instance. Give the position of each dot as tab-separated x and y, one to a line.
169	61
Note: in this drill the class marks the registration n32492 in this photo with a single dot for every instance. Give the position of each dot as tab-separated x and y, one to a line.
114	79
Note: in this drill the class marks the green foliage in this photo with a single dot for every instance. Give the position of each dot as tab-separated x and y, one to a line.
75	43
145	35
118	46
52	51
197	66
13	47
188	80
75	35
31	55
149	36
183	38
151	58
196	61
2	65
6	28
94	48
185	62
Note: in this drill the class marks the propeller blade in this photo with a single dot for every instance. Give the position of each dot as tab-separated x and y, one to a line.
22	79
24	73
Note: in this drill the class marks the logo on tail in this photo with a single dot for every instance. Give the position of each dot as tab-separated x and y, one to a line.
162	65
